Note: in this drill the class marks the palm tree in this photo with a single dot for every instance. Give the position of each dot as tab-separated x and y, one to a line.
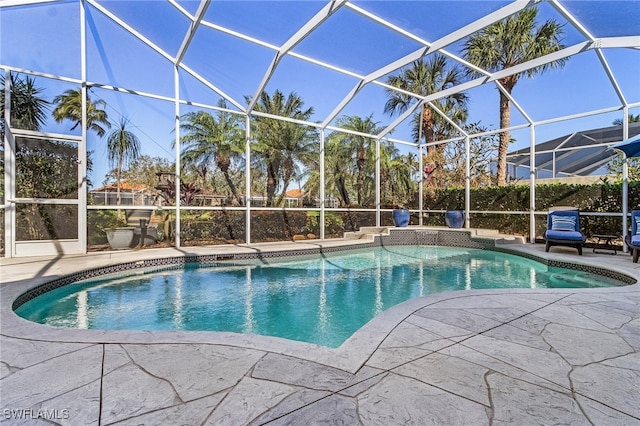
423	78
69	106
28	109
396	185
350	163
337	174
301	149
282	144
512	41
360	149
123	147
210	139
632	119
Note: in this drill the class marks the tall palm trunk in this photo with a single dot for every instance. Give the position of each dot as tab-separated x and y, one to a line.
427	122
505	136
232	187
273	169
360	163
118	182
342	189
287	175
505	121
224	164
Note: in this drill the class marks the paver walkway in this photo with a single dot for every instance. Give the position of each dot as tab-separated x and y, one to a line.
495	357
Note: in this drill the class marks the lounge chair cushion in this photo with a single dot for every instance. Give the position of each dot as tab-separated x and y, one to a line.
563	223
564	235
635	240
637	225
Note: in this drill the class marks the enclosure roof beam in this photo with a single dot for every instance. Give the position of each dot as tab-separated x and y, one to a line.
437	45
162	52
9	3
131	30
595	165
313	23
569	17
561	54
443	93
202	9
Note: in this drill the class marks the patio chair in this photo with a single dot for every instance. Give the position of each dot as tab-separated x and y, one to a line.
633	240
563	229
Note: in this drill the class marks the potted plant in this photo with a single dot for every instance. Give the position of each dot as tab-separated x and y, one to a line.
454	218
401	216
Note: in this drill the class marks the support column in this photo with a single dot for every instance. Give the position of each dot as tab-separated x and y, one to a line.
247	180
625	180
421	168
467	182
321	223
176	172
82	146
9	172
532	186
378	182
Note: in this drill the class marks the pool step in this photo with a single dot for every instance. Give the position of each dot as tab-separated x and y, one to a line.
512	239
366	233
375	230
370	232
357	235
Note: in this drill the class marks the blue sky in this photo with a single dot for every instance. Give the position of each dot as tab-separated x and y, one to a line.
44	38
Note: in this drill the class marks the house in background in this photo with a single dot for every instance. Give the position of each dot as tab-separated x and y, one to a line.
131	194
579	157
210	199
294	198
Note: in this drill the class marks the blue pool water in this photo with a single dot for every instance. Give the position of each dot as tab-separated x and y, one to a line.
321	300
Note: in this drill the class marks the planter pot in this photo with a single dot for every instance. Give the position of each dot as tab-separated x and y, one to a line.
120	238
454	218
401	217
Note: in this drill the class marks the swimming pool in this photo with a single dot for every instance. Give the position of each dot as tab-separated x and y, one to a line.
320	299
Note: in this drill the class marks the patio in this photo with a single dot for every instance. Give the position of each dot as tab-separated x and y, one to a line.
490	357
535	356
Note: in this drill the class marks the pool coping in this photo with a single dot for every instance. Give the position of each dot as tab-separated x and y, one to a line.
350	356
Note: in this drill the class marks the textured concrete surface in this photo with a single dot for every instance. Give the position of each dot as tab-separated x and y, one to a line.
525	357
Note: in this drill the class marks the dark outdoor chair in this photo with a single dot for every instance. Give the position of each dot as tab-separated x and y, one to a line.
633	240
563	229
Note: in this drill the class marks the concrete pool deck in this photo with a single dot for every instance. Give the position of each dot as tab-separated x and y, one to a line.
529	356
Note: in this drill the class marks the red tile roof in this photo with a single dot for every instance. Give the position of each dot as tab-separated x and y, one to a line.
124	186
294	193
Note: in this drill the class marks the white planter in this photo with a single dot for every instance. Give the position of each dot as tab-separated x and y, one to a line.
120	238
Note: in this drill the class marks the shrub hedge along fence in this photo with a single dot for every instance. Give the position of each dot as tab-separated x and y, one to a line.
224	227
228	227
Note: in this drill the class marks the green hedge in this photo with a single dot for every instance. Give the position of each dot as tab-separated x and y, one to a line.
222	227
602	197
225	227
